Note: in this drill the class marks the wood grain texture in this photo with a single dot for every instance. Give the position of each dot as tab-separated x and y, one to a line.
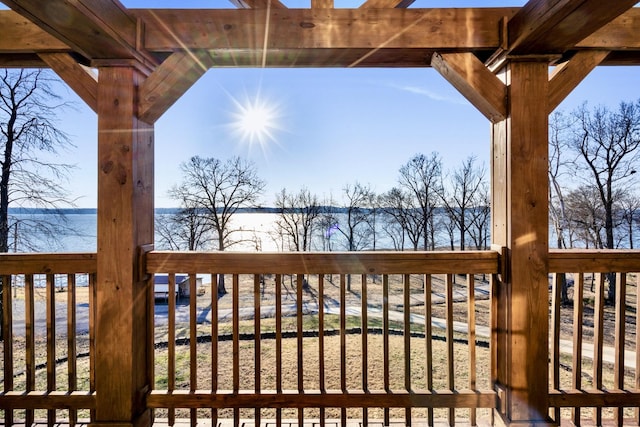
324	262
79	78
316	399
520	155
475	82
318	29
125	222
48	263
386	4
593	260
546	26
568	75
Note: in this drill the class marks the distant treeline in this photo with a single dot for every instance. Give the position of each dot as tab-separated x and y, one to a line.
158	211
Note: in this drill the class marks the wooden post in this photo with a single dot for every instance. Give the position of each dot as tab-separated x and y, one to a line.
520	225
125	223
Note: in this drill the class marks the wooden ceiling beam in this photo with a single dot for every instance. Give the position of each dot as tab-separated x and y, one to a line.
258	4
82	80
96	29
386	4
322	4
169	82
170	29
19	34
566	76
554	26
475	82
310	37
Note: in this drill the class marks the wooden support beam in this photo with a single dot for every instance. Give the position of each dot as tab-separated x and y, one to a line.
125	223
97	29
520	224
554	26
258	4
231	29
321	4
386	4
81	79
566	76
474	81
19	34
170	81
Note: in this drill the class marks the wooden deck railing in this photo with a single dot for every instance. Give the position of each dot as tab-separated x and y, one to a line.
365	335
41	373
325	335
602	360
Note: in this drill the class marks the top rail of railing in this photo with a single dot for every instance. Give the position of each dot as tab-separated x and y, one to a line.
385	262
48	263
593	260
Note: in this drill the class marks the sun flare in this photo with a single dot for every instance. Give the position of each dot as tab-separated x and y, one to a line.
256	121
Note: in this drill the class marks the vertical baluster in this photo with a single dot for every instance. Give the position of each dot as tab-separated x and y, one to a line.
7	331
29	312
236	343
555	334
193	343
71	342
343	343
51	342
321	366
428	336
214	344
299	336
618	374
496	340
92	337
279	345
364	326
407	339
171	340
598	320
385	340
257	340
151	336
637	374
471	322
578	318
449	334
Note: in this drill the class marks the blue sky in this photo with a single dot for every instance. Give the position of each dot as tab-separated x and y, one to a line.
332	127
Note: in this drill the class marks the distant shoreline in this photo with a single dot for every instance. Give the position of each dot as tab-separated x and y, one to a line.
161	211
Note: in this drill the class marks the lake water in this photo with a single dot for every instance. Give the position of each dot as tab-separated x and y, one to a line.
255	227
256	232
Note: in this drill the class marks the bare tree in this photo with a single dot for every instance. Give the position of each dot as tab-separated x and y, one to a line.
479	230
402	217
629	213
421	176
188	228
354	226
586	216
463	196
559	125
218	189
297	215
608	145
29	139
327	224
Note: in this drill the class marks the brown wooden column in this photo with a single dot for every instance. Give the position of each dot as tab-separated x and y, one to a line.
125	222
520	225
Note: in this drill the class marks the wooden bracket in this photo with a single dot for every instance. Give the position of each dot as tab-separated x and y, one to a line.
142	251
